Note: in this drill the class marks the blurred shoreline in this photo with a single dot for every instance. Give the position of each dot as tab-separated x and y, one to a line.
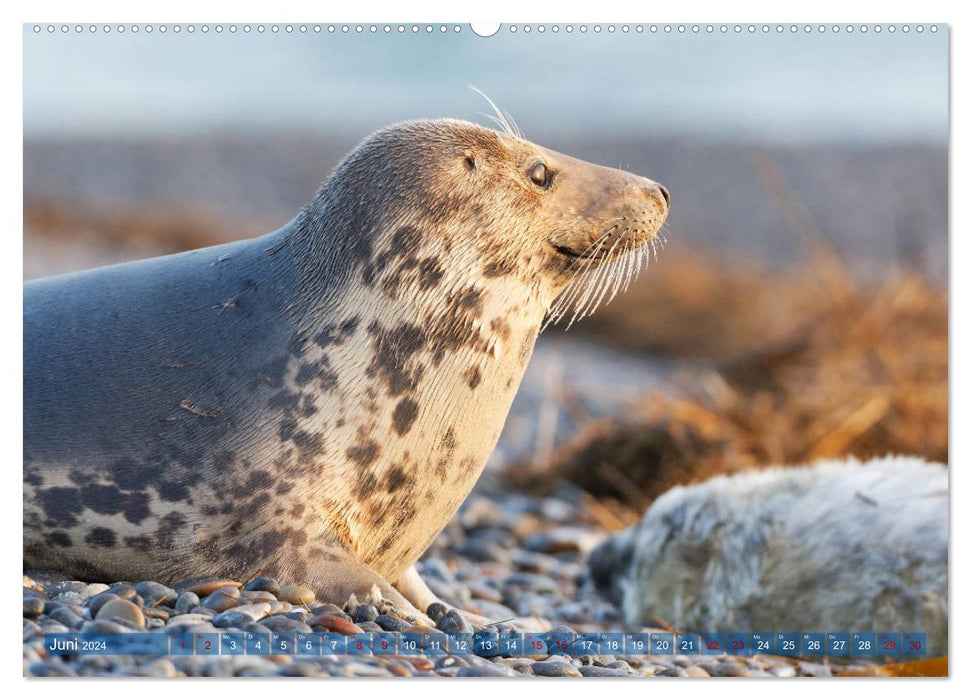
881	208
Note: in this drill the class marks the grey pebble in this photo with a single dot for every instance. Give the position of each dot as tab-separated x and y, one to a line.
489	670
186	601
281	623
231	618
154	592
554	668
673	672
33	606
602	672
391	624
95	602
52	668
221	599
365	613
263	583
66	616
436	611
452	621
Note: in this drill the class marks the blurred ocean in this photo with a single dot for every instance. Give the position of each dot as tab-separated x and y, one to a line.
783	88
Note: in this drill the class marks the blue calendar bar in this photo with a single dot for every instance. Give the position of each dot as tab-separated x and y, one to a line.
135	643
283	644
914	644
257	644
232	643
687	643
308	644
738	644
839	643
333	644
586	644
662	643
487	643
712	643
864	644
889	643
207	644
637	643
359	644
813	643
460	644
560	642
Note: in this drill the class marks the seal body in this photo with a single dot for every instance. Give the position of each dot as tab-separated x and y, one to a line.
316	403
836	546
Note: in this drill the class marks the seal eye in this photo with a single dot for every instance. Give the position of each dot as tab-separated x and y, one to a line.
541	175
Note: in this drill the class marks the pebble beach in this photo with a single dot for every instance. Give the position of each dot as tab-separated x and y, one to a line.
506	556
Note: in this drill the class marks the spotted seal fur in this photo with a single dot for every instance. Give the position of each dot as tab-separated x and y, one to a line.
316	403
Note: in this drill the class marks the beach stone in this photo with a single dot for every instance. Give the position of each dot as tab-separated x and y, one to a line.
154	592
66	616
481	591
554	667
563	539
52	668
33	606
782	671
815	670
186	601
369	626
330	609
281	623
123	609
221	599
332	623
452	621
122	590
297	595
160	668
264	583
602	672
231	618
365	613
673	672
70	598
390	624
205	586
436	611
487	670
93	589
103	627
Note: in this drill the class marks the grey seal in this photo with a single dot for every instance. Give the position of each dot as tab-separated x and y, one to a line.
316	403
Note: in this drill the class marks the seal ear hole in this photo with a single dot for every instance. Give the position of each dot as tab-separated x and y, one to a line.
469	162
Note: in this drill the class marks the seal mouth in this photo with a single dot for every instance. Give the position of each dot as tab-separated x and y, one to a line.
603	269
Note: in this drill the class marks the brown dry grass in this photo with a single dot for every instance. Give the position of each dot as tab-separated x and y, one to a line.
785	367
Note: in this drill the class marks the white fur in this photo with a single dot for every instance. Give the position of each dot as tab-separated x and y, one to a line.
839	546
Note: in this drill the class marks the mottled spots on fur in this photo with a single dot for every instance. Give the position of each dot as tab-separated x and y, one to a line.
59	538
364	453
101	537
473	375
336	333
61	505
393	353
404	416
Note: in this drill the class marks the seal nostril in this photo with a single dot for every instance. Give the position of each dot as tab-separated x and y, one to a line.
666	195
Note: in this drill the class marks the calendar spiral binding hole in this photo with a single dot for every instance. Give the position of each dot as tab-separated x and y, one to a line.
608	29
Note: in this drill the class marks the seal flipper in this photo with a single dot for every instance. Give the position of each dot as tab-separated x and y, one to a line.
337	581
414	588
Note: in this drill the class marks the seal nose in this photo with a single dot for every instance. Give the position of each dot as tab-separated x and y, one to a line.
666	195
658	193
